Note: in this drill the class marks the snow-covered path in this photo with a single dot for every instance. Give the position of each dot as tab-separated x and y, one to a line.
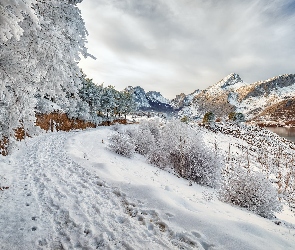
68	192
54	203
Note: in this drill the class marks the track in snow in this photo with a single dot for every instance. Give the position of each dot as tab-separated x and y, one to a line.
55	203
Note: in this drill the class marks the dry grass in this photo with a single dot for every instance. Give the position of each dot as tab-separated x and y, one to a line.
54	122
244	91
282	111
60	122
4	146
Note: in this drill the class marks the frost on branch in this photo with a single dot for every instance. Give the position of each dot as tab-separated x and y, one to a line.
249	190
188	154
175	145
38	61
144	138
121	144
12	13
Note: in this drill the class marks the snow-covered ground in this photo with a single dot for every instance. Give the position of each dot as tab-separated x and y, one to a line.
68	191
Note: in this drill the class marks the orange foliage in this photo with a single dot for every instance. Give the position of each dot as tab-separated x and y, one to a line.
54	122
60	122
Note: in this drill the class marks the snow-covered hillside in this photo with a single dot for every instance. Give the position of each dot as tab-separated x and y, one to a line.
155	96
232	94
149	101
68	191
139	96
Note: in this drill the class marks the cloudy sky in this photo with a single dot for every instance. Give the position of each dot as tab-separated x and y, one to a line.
175	46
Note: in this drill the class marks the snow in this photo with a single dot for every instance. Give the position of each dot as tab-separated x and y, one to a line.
231	82
262	102
45	106
67	190
157	97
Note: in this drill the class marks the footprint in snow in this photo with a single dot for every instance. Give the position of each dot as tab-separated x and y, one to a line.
197	234
169	215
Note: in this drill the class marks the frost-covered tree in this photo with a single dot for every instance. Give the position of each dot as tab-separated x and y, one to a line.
91	94
109	100
126	103
12	13
38	60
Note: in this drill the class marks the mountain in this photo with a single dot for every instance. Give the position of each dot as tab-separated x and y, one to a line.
281	113
257	101
139	97
150	101
154	96
182	100
262	101
219	98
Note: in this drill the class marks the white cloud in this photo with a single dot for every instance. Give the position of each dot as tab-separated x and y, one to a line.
181	45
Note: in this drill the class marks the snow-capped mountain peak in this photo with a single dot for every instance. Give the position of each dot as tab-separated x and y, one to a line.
230	80
150	101
233	80
155	96
139	96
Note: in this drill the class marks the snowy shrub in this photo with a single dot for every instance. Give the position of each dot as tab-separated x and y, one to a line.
144	141
174	145
116	127
184	150
209	117
204	165
236	117
131	132
196	162
121	144
152	125
249	190
158	158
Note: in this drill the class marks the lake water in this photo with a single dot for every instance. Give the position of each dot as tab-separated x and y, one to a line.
288	133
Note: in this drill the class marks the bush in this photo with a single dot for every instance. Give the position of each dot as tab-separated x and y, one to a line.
205	165
184	119
175	145
152	125
196	162
251	191
157	158
121	144
209	117
236	117
180	147
144	141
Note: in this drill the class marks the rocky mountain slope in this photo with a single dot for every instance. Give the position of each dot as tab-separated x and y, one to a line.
281	113
262	101
272	99
150	101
